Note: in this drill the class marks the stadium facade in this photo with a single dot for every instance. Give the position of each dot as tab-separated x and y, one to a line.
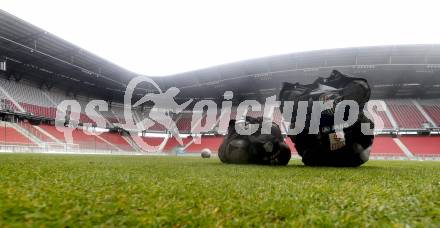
39	70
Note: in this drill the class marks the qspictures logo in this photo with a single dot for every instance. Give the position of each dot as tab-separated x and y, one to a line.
165	107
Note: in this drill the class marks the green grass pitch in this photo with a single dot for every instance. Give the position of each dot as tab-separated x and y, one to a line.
86	190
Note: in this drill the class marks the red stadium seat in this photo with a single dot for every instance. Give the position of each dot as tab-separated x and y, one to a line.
433	111
29	127
84	140
406	114
385	146
9	135
422	145
117	140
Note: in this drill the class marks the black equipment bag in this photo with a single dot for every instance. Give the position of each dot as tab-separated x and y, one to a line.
257	148
330	147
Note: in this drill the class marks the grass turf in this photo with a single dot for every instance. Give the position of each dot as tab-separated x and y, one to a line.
79	190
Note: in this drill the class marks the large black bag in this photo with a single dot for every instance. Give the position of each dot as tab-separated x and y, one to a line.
331	147
257	148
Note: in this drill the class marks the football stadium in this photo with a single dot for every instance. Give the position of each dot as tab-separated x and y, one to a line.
103	176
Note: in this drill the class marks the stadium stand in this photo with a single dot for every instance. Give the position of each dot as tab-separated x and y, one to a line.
153	141
9	135
33	130
422	146
406	114
386	121
43	104
172	143
183	122
9	105
22	92
117	140
385	146
156	126
79	137
432	108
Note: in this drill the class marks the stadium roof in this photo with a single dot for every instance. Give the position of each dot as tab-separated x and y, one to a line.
393	71
37	55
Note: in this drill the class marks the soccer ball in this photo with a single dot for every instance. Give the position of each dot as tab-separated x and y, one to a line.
206	153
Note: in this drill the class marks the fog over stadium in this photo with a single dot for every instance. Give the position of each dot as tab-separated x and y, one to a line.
159	38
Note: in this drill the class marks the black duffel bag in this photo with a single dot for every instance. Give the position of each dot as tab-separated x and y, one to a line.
331	145
257	148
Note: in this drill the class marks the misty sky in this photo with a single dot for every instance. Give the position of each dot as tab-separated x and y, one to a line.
164	37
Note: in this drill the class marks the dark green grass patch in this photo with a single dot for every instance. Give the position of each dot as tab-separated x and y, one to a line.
76	191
